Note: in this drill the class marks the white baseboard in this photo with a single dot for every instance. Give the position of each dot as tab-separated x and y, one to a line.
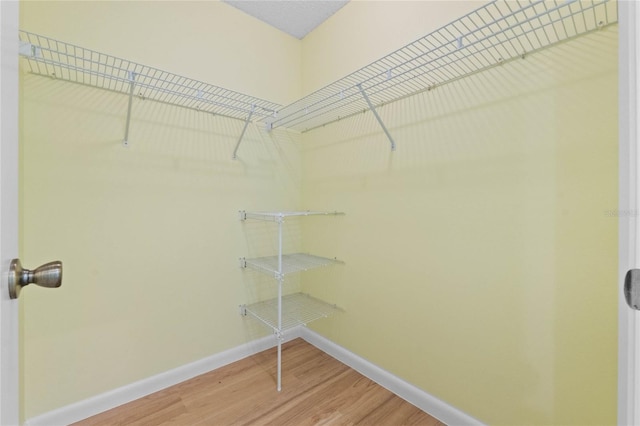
410	393
108	400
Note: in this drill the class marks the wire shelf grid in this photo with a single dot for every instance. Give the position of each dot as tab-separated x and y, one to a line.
279	216
497	32
291	263
297	309
49	57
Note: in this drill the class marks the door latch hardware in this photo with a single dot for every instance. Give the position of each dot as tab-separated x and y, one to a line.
632	288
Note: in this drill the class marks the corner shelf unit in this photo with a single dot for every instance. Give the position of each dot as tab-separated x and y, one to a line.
286	312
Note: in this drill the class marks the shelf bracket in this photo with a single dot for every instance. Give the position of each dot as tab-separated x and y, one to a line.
375	113
29	50
132	83
244	129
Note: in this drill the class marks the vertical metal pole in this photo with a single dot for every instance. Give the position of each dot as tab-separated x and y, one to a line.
280	280
244	129
132	78
279	336
375	113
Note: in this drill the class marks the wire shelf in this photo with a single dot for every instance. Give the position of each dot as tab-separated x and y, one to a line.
497	32
501	30
291	263
297	309
279	216
49	57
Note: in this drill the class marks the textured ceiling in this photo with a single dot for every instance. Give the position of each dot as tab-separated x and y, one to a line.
295	17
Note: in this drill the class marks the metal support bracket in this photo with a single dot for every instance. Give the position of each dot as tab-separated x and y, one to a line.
242	214
243	310
244	129
375	113
132	82
243	262
27	49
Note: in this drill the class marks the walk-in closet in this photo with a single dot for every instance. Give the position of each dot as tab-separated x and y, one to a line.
424	191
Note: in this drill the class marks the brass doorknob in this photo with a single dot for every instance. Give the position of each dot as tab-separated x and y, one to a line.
48	275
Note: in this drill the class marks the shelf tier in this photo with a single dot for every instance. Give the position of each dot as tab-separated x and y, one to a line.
297	309
488	36
291	263
279	216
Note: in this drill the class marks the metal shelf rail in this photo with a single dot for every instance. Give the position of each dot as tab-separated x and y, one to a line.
497	32
56	59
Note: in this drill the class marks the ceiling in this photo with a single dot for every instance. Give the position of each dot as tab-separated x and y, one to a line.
295	17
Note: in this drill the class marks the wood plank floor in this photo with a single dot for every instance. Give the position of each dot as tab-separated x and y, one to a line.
316	390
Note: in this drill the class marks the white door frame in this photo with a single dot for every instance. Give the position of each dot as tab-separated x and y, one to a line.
9	376
9	395
629	213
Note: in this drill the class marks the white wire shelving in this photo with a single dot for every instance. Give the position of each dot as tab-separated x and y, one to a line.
278	216
497	32
297	309
285	312
291	263
64	61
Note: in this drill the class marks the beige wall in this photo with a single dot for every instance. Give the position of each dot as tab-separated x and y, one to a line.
481	265
364	31
149	235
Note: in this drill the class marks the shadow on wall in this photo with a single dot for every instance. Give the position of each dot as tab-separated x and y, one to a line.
163	136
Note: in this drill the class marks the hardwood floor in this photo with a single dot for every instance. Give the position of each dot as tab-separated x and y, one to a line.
316	390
